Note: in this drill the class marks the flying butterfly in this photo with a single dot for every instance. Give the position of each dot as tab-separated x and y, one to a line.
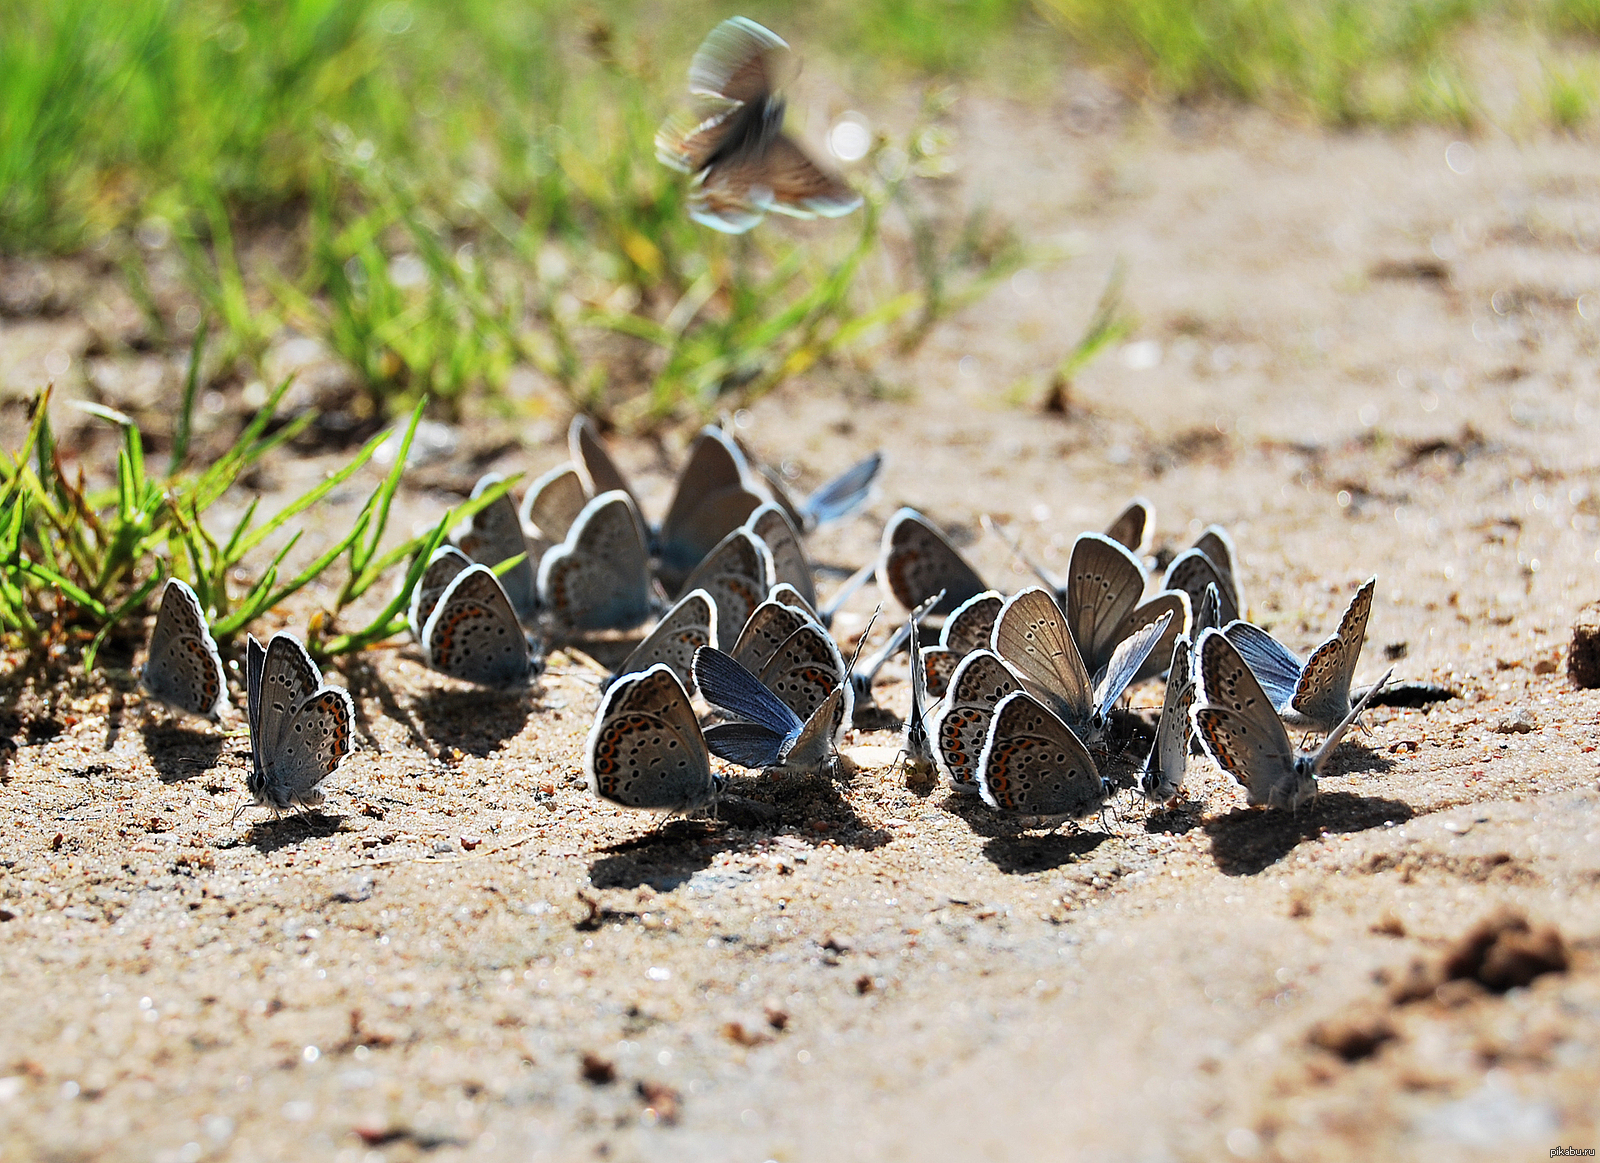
732	142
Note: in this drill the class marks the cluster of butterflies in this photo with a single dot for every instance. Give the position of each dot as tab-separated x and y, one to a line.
482	610
301	729
1017	700
577	558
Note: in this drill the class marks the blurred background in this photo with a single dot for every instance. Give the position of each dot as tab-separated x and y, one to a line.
394	198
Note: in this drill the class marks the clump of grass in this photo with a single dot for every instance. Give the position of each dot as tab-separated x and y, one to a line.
76	562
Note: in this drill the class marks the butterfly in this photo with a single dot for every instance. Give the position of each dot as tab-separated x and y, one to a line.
1315	693
737	574
301	730
733	142
917	743
767	733
1240	729
968	628
829	502
494	534
916	561
550	507
1192	571
1162	777
1100	595
646	749
447	561
1208	615
182	667
598	578
473	633
772	525
711	499
1215	543
1134	527
690	624
793	656
1031	635
1033	764
980	681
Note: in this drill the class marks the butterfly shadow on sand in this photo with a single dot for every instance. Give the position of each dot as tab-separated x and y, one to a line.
364	682
665	858
292	828
1246	841
1014	846
179	753
477	721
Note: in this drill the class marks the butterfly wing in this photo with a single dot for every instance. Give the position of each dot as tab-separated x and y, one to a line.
710	502
316	738
786	595
1163	773
767	628
1192	571
1173	604
731	688
738	575
979	683
442	569
689	625
804	672
1208	614
473	632
1322	696
747	744
553	504
1320	757
599	577
1127	660
739	60
789	564
1134	527
255	659
1031	635
1239	727
937	666
1033	764
813	748
182	667
494	535
918	746
916	561
841	496
1273	663
1217	545
645	749
1104	584
288	678
971	625
597	472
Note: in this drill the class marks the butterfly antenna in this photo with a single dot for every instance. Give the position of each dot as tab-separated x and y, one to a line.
862	641
1001	532
843	594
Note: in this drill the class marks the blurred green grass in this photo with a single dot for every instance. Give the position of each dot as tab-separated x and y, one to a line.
470	186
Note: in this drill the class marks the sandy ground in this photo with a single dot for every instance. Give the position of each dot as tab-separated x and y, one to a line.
1359	359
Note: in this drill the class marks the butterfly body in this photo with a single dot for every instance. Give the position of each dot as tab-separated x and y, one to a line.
1240	728
301	729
